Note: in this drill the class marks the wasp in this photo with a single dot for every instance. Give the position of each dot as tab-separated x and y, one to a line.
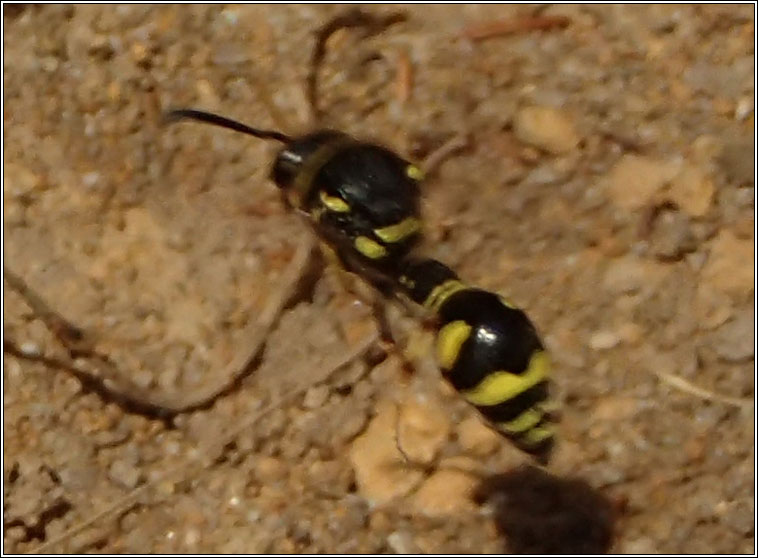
363	201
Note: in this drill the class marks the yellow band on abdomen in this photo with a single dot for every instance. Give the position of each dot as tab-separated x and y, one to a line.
441	293
502	386
525	421
536	435
450	339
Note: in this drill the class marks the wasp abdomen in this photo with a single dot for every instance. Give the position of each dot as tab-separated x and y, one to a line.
490	352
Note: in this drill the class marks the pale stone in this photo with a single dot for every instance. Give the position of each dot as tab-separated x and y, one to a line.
547	128
603	340
381	471
446	492
423	429
692	190
477	438
731	264
635	181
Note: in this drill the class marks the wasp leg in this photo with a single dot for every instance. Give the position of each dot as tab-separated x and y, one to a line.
371	296
434	159
353	284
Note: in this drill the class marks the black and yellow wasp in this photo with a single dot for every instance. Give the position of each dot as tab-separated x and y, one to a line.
363	201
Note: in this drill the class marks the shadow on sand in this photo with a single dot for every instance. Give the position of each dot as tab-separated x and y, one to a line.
538	513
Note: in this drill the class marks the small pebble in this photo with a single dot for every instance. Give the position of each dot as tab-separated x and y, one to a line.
671	236
603	340
124	473
735	340
401	542
635	181
745	106
191	537
547	128
49	63
692	190
477	438
315	397
731	264
89	179
614	408
30	349
629	274
445	493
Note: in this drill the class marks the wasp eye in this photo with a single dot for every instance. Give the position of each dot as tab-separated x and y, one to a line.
286	167
303	151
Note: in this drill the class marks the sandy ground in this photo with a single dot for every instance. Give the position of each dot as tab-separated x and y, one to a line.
606	187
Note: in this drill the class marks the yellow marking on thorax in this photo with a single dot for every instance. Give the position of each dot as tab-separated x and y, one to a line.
414	172
333	203
370	248
450	339
525	421
442	292
399	231
501	386
312	164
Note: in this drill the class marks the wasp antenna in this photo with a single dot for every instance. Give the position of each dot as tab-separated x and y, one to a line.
176	115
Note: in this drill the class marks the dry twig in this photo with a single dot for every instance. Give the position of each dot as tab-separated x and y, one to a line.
436	157
681	384
148	402
404	76
352	18
510	26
